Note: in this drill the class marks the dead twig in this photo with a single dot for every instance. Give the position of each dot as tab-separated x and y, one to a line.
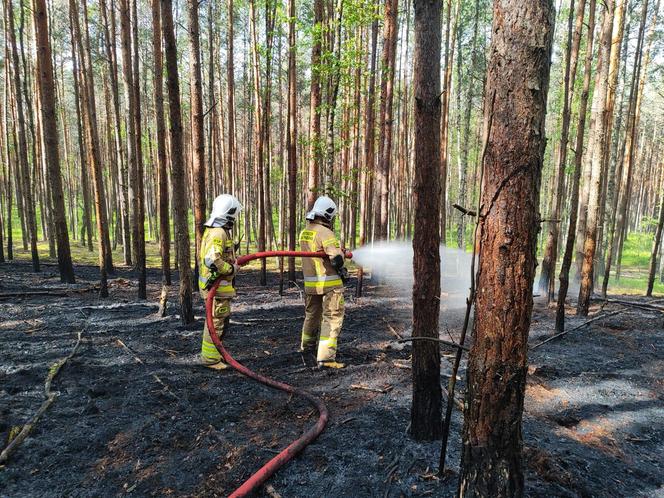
50	398
588	322
371	389
435	339
269	489
392	329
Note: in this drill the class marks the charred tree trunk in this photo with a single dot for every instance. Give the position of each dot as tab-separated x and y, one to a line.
518	77
425	415
178	182
50	138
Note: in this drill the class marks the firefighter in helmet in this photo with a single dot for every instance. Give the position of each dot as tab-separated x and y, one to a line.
217	260
323	284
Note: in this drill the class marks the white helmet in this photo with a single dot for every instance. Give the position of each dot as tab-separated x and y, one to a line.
323	207
225	210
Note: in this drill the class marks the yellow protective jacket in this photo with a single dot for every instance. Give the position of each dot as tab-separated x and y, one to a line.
320	277
216	259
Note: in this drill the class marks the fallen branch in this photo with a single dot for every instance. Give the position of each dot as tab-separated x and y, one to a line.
435	339
645	306
57	292
588	322
468	212
392	329
50	398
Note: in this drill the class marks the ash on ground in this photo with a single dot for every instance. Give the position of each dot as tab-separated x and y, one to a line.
135	413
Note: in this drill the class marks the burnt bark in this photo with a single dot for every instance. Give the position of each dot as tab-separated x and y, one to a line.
518	77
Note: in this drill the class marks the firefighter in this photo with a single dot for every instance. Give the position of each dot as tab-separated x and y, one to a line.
217	259
323	284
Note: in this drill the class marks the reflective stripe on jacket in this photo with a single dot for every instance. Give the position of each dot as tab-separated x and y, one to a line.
319	275
216	259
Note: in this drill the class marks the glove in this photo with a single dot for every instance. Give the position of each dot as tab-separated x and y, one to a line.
343	273
236	269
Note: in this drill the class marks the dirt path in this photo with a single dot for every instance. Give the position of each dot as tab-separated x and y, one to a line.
594	422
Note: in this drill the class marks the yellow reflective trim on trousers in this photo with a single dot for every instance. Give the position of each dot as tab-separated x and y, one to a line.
307	337
323	284
329	341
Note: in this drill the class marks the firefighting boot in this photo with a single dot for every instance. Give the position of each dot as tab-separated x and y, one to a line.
330	364
220	365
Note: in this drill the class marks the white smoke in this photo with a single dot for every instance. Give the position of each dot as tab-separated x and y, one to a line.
392	263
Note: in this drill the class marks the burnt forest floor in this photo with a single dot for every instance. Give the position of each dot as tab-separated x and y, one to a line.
137	415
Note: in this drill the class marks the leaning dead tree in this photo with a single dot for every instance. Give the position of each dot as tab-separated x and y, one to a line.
518	76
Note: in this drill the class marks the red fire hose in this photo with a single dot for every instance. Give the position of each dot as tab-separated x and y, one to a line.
264	473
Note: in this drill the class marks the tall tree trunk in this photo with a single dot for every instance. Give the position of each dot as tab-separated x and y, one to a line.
571	56
24	165
366	175
51	139
466	127
578	158
197	127
82	48
425	415
291	137
315	146
388	70
652	267
517	78
259	157
596	146
617	228
230	78
138	175
181	223
162	166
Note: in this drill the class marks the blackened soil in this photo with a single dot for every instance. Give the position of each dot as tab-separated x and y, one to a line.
136	414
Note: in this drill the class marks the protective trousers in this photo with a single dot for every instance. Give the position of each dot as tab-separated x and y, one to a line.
221	312
324	314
